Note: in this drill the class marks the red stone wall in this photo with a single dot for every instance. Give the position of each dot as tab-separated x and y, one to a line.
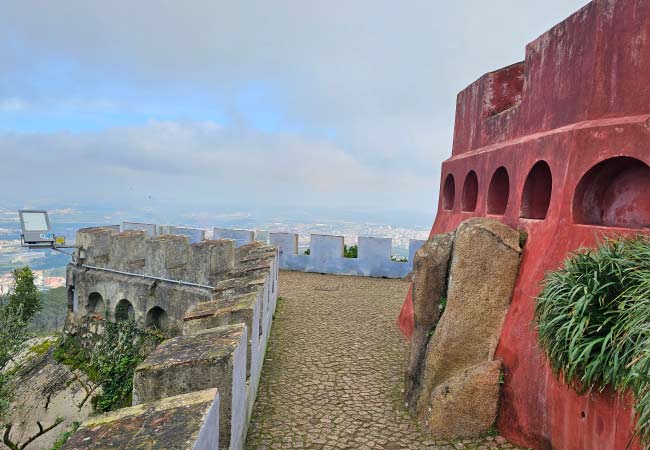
570	127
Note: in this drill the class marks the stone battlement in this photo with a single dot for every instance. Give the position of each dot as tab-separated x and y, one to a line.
326	251
217	299
164	256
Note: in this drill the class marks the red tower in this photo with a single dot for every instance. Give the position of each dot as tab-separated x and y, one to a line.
557	145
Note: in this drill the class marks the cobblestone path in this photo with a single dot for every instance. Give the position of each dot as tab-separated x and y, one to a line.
333	371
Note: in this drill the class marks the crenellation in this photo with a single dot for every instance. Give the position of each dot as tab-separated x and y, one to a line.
127	251
167	256
241	237
212	358
183	422
212	258
326	256
96	243
220	298
150	229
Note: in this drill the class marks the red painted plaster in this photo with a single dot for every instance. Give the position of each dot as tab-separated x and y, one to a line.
581	98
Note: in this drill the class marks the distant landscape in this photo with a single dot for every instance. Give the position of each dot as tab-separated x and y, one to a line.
49	266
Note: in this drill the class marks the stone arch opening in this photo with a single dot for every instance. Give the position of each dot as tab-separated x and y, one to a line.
498	192
470	192
536	196
96	305
449	193
614	193
157	318
124	311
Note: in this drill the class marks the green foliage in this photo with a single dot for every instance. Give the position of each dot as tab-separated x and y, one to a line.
111	361
42	347
397	258
348	252
6	393
13	332
51	317
351	251
63	437
592	318
523	237
442	305
24	294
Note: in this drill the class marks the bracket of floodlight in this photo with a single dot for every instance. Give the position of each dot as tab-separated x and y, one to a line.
36	232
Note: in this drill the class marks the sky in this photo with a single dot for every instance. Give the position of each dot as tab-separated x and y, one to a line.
208	105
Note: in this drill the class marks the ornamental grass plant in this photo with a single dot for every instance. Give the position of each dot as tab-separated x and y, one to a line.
593	319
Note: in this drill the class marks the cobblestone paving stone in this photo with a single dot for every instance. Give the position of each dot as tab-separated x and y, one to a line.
332	377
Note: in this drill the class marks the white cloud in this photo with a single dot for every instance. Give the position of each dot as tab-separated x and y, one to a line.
382	74
194	163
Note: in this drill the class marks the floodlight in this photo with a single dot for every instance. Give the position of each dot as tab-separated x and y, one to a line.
36	230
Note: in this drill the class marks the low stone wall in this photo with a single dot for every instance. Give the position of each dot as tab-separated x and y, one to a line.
326	251
220	297
326	256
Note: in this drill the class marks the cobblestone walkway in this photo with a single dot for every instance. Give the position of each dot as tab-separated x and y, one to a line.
333	370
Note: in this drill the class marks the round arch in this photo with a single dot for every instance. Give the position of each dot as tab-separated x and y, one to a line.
124	311
96	305
614	193
536	196
449	193
156	318
498	192
470	192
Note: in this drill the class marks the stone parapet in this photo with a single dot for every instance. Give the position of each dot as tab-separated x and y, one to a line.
182	422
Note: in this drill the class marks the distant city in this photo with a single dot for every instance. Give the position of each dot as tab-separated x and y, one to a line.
49	266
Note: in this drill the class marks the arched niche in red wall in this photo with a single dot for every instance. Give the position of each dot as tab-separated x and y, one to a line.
614	193
470	192
498	192
536	196
448	193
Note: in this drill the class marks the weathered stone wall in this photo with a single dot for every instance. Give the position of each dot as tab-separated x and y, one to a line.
326	256
326	251
220	297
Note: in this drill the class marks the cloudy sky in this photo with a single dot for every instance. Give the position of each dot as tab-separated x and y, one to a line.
200	104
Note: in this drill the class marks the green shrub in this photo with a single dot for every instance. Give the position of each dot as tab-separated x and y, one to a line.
13	333
593	318
351	251
63	437
111	361
24	295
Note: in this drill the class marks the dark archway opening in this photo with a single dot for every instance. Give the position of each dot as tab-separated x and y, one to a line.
536	196
498	192
124	311
70	298
470	192
156	319
96	305
449	193
614	193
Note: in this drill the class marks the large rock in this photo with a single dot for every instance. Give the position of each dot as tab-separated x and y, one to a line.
464	405
430	268
482	275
